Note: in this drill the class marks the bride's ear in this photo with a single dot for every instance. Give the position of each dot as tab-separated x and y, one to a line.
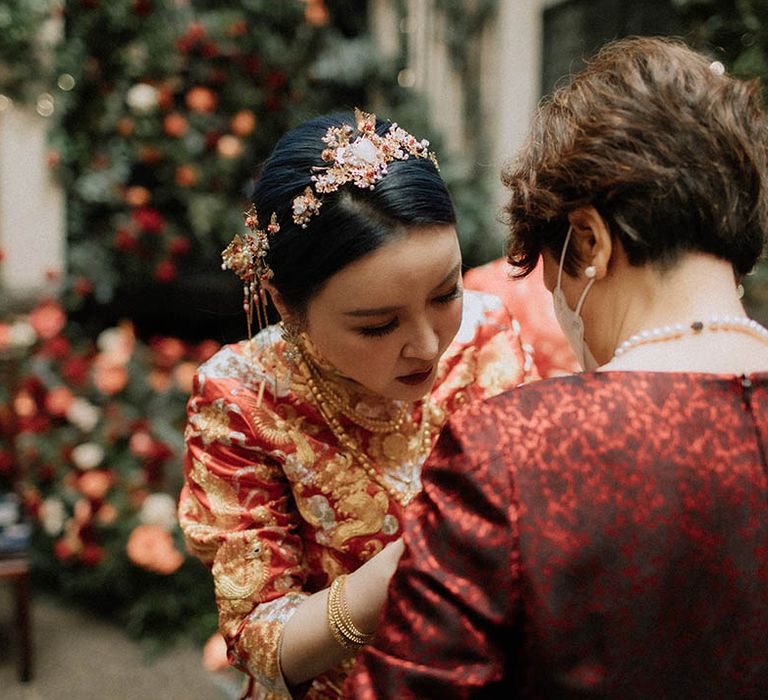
591	238
277	300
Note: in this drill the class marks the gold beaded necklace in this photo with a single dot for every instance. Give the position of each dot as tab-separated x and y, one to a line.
394	445
336	399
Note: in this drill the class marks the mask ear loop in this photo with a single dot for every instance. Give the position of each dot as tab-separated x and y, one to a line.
584	295
562	256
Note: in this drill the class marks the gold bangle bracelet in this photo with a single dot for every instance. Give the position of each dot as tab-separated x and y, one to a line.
344	631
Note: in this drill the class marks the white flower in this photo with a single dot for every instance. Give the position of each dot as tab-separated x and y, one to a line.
52	515
365	150
21	334
159	509
83	414
115	344
87	455
142	98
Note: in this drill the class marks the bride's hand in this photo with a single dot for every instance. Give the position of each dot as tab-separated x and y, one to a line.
366	588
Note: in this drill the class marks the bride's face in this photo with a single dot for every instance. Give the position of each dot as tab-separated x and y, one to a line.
384	320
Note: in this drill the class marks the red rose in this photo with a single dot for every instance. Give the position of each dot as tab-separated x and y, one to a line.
205	350
83	286
210	50
6	462
142	7
58	347
165	271
179	245
63	550
148	219
75	370
125	240
167	351
91	555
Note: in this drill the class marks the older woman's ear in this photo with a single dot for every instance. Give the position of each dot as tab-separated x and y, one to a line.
592	240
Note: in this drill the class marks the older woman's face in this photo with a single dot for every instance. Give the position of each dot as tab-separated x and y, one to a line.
384	320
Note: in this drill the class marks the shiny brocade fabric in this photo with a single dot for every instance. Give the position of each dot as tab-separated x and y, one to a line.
601	535
274	507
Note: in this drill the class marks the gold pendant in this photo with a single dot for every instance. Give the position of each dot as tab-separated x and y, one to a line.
395	447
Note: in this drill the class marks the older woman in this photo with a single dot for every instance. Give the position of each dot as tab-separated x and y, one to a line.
606	534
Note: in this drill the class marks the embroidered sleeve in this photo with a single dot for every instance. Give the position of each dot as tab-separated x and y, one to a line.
237	514
487	356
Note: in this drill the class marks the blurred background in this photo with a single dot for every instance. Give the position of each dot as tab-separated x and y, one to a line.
130	131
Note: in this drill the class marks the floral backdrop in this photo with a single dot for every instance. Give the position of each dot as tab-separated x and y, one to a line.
99	436
158	110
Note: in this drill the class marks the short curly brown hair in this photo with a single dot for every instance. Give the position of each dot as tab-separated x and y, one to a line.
671	153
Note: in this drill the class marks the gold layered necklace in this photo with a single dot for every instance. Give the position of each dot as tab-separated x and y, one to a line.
395	445
341	404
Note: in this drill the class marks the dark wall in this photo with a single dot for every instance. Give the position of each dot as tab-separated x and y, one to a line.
575	29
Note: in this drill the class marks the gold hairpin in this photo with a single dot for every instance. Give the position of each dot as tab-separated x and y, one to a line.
246	256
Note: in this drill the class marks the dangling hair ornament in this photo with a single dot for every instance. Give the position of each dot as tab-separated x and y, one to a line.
246	256
361	160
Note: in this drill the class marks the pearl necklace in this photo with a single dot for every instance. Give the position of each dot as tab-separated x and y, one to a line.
412	486
732	324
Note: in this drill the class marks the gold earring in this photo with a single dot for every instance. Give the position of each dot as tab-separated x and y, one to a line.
289	332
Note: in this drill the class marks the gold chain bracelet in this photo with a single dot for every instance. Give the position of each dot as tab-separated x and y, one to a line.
344	631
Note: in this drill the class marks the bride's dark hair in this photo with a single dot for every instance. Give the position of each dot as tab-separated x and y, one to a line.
352	221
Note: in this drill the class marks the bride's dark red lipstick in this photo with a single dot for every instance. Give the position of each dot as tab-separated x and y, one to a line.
416	378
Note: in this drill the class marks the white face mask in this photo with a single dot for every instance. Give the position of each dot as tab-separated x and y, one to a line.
570	321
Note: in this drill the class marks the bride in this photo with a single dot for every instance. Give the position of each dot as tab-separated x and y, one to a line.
305	443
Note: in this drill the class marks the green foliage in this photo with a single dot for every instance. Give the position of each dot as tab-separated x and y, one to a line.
736	33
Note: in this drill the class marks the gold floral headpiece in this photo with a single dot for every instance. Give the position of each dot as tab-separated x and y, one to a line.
246	256
361	160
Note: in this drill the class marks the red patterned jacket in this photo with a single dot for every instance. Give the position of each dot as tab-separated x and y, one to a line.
600	535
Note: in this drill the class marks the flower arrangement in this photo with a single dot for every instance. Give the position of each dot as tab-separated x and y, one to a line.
99	440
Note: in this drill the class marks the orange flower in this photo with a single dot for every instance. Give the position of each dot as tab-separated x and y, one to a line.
186	175
125	126
316	13
151	547
183	376
175	125
137	196
47	319
58	401
94	484
202	99
107	514
229	146
167	351
141	443
109	377
215	653
159	380
243	123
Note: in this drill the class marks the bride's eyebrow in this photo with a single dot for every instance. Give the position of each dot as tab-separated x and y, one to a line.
383	310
